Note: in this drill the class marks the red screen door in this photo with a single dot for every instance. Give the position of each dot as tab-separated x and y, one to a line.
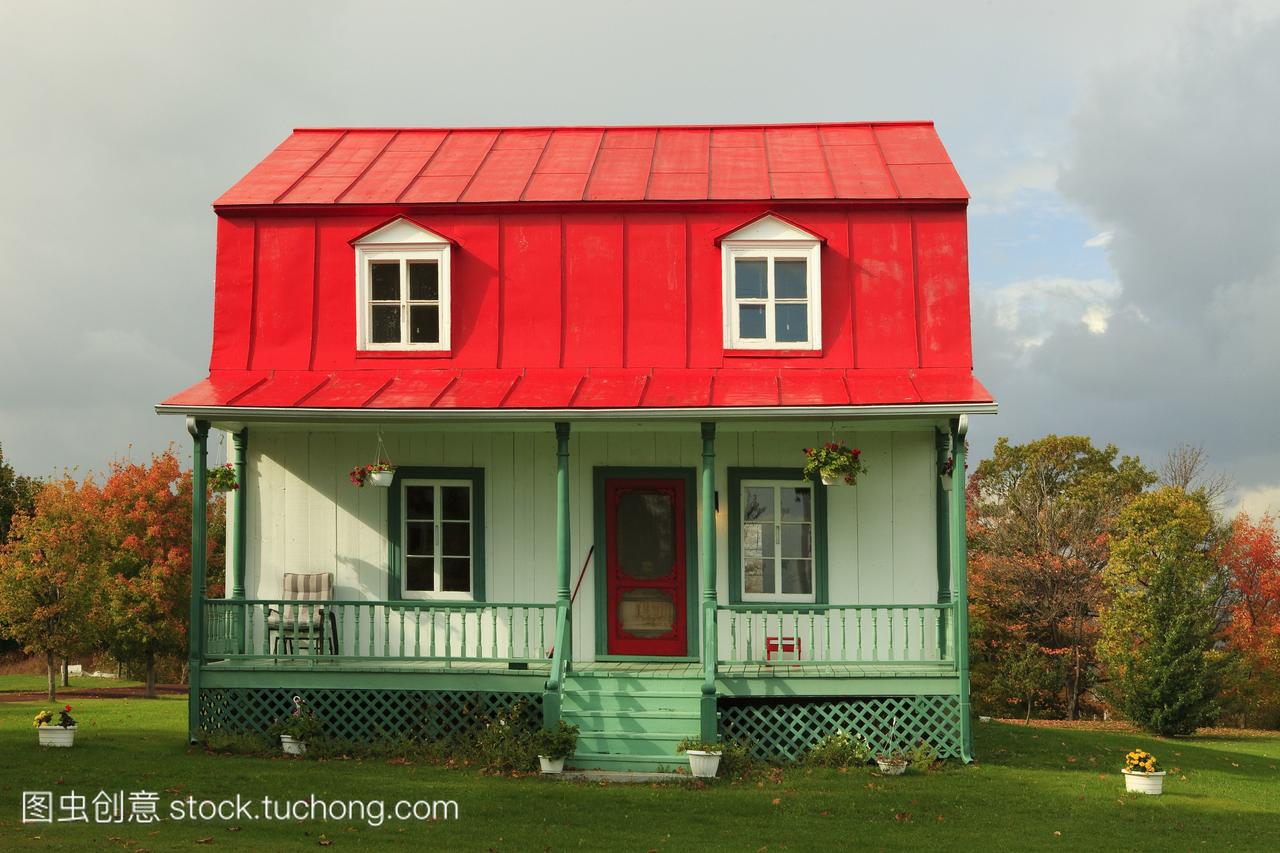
645	555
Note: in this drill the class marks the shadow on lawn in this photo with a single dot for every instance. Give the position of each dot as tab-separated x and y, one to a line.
1009	745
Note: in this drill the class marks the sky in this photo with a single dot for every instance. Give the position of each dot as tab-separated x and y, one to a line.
1121	156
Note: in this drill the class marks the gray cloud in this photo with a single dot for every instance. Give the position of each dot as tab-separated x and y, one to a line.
1176	159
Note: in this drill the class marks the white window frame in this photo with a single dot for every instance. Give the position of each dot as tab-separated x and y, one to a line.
778	596
436	594
771	239
401	241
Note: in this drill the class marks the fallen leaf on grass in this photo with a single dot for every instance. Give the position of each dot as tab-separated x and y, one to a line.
902	817
1057	833
206	840
324	842
777	800
824	814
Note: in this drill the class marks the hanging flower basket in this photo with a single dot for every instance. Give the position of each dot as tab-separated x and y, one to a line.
379	473
223	478
834	463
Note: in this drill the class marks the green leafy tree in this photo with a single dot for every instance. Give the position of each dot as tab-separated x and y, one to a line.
1040	519
51	573
1160	627
17	494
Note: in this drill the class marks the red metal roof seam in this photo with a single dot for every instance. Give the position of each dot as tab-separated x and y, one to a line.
425	166
338	198
313	166
507	396
254	387
328	380
577	388
885	163
480	168
537	164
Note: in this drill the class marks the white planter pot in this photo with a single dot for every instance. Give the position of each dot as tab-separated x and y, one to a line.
382	478
1144	783
832	481
891	766
704	764
292	746
551	766
57	735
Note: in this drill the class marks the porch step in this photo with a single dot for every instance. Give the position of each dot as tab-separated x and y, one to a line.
630	722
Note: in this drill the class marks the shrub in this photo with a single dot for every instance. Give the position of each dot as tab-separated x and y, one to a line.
839	749
559	742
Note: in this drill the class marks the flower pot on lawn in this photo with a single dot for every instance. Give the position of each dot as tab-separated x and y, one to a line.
703	764
891	765
1144	783
551	766
57	735
292	746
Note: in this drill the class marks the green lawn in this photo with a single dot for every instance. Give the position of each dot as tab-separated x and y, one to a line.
40	683
1035	788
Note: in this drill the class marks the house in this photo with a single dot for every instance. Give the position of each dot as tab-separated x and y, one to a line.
595	356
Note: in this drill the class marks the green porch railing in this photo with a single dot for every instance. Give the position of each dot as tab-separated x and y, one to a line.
447	631
827	634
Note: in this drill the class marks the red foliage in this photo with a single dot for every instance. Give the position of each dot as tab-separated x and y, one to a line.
1251	554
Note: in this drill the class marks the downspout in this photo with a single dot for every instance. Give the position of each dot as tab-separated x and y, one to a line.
707	567
199	536
960	565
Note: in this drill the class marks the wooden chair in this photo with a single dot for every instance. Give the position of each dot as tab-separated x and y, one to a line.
305	621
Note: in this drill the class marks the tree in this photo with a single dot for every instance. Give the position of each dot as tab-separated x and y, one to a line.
1250	555
1186	467
51	573
1040	516
1159	627
147	510
17	494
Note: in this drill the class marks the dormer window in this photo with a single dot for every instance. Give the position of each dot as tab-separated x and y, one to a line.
772	287
402	286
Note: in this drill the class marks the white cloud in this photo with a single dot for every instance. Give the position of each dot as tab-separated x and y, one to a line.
1032	310
1100	240
1258	500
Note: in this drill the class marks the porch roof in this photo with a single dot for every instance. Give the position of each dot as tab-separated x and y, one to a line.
584	390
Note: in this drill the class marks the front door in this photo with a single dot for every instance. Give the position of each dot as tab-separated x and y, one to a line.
645	566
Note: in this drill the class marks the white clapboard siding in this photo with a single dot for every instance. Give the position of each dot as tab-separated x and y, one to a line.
304	515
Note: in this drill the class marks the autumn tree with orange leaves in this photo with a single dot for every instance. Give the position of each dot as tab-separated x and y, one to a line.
1250	554
52	573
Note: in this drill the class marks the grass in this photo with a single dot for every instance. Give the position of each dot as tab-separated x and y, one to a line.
1035	788
21	683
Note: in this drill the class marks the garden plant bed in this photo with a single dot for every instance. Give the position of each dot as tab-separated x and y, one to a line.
1029	784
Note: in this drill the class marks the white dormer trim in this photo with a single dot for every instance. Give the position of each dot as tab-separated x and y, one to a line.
771	240
404	242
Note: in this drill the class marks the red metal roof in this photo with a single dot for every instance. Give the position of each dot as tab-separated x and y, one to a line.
592	388
360	166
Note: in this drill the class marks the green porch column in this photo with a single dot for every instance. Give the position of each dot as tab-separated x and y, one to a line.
199	536
707	571
960	580
563	654
942	448
237	534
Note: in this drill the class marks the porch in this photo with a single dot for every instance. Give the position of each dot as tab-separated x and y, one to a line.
779	674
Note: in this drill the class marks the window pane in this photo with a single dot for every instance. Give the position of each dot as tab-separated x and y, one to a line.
424	324
385	281
791	322
420	541
757	576
797	577
455	503
419	501
795	503
424	280
753	539
749	278
789	278
457	575
385	324
757	503
455	538
751	322
797	541
646	532
419	574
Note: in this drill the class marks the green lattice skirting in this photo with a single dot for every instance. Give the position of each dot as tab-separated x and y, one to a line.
362	715
785	729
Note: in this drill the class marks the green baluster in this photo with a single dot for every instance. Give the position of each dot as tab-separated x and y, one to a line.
750	619
542	632
462	652
875	634
431	613
448	634
733	634
356	647
402	610
813	650
386	631
511	630
417	632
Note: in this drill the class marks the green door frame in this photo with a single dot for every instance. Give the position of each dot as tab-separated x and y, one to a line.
690	479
